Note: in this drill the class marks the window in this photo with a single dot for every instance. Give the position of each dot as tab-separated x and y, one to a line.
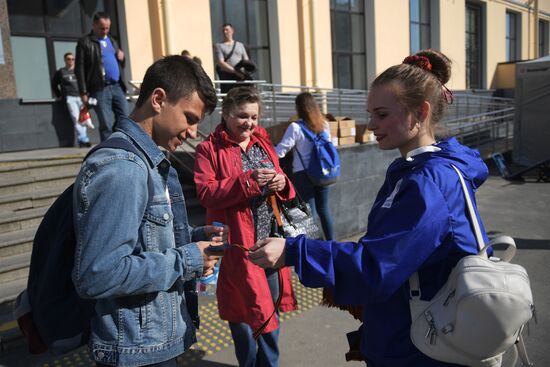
419	25
543	38
348	44
42	31
513	45
251	24
474	55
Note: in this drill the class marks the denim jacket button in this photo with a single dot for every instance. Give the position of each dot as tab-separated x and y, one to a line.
166	216
100	355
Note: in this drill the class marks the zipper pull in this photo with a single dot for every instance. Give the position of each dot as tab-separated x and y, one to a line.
449	297
433	337
428	333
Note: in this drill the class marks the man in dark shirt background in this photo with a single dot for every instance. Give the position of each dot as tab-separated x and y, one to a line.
99	70
64	86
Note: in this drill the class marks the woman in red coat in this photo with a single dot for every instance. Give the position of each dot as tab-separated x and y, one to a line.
236	171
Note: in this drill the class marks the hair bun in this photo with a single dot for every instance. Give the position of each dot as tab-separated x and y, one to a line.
440	64
421	62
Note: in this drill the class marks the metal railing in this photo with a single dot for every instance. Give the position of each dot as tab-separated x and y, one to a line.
479	121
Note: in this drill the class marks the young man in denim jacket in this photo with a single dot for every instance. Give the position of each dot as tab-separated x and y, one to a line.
135	248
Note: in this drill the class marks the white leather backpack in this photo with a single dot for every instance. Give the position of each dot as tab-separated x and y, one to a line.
480	311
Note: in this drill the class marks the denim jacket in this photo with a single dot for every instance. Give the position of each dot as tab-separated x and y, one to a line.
134	253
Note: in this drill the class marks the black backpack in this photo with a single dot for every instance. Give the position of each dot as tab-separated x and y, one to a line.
50	313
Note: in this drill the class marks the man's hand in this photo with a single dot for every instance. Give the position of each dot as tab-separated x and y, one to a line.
84	98
120	55
216	233
209	261
268	253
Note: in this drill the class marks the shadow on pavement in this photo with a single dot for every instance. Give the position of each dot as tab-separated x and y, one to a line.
528	244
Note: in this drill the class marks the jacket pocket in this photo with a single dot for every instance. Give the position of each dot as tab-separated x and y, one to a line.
158	227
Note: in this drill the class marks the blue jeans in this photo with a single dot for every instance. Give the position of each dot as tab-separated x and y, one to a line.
267	352
110	99
317	198
74	104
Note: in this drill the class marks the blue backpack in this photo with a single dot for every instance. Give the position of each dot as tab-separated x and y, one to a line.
49	312
324	164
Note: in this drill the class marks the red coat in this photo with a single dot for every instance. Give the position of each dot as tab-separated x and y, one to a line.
225	191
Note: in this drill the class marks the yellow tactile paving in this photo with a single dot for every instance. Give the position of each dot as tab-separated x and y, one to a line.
213	336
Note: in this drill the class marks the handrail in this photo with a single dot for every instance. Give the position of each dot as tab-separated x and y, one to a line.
468	112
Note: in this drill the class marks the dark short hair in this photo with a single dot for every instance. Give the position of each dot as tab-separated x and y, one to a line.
67	54
227	25
179	77
101	15
239	96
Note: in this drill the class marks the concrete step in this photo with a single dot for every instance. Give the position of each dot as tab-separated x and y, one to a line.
16	242
28	200
8	293
14	267
57	179
20	220
36	168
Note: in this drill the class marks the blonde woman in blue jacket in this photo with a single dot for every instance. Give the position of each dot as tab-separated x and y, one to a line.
418	222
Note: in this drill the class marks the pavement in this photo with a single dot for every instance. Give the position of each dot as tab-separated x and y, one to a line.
315	335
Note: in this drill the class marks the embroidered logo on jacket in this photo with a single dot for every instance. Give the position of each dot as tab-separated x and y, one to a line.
389	200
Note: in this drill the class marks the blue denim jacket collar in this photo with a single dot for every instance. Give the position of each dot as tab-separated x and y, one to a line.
152	152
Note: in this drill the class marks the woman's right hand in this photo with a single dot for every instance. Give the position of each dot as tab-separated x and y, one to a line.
268	253
263	175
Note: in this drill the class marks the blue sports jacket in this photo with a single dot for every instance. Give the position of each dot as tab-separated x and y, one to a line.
418	222
134	252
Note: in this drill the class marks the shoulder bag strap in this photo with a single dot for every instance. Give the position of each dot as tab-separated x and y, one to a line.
231	52
257	333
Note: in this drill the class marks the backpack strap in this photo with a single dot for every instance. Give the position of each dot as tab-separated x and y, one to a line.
115	143
309	135
414	282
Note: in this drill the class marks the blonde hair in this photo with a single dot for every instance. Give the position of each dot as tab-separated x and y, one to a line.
420	81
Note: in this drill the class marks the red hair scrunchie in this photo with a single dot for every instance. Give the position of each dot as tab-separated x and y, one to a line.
421	62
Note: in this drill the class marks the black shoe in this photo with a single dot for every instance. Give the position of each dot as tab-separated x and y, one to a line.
84	145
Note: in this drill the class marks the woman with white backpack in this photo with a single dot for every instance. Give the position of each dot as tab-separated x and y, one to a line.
419	229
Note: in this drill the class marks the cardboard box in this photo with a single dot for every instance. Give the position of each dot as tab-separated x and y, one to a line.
334	140
363	135
346	126
347	140
333	125
276	132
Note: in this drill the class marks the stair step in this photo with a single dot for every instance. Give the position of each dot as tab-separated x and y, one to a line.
16	242
36	167
54	180
23	219
24	176
14	267
9	292
28	200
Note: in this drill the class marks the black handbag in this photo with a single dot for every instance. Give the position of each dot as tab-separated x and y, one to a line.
293	218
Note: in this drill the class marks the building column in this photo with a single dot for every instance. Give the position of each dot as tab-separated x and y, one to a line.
7	73
315	43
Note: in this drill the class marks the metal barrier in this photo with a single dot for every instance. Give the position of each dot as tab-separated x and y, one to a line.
478	121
